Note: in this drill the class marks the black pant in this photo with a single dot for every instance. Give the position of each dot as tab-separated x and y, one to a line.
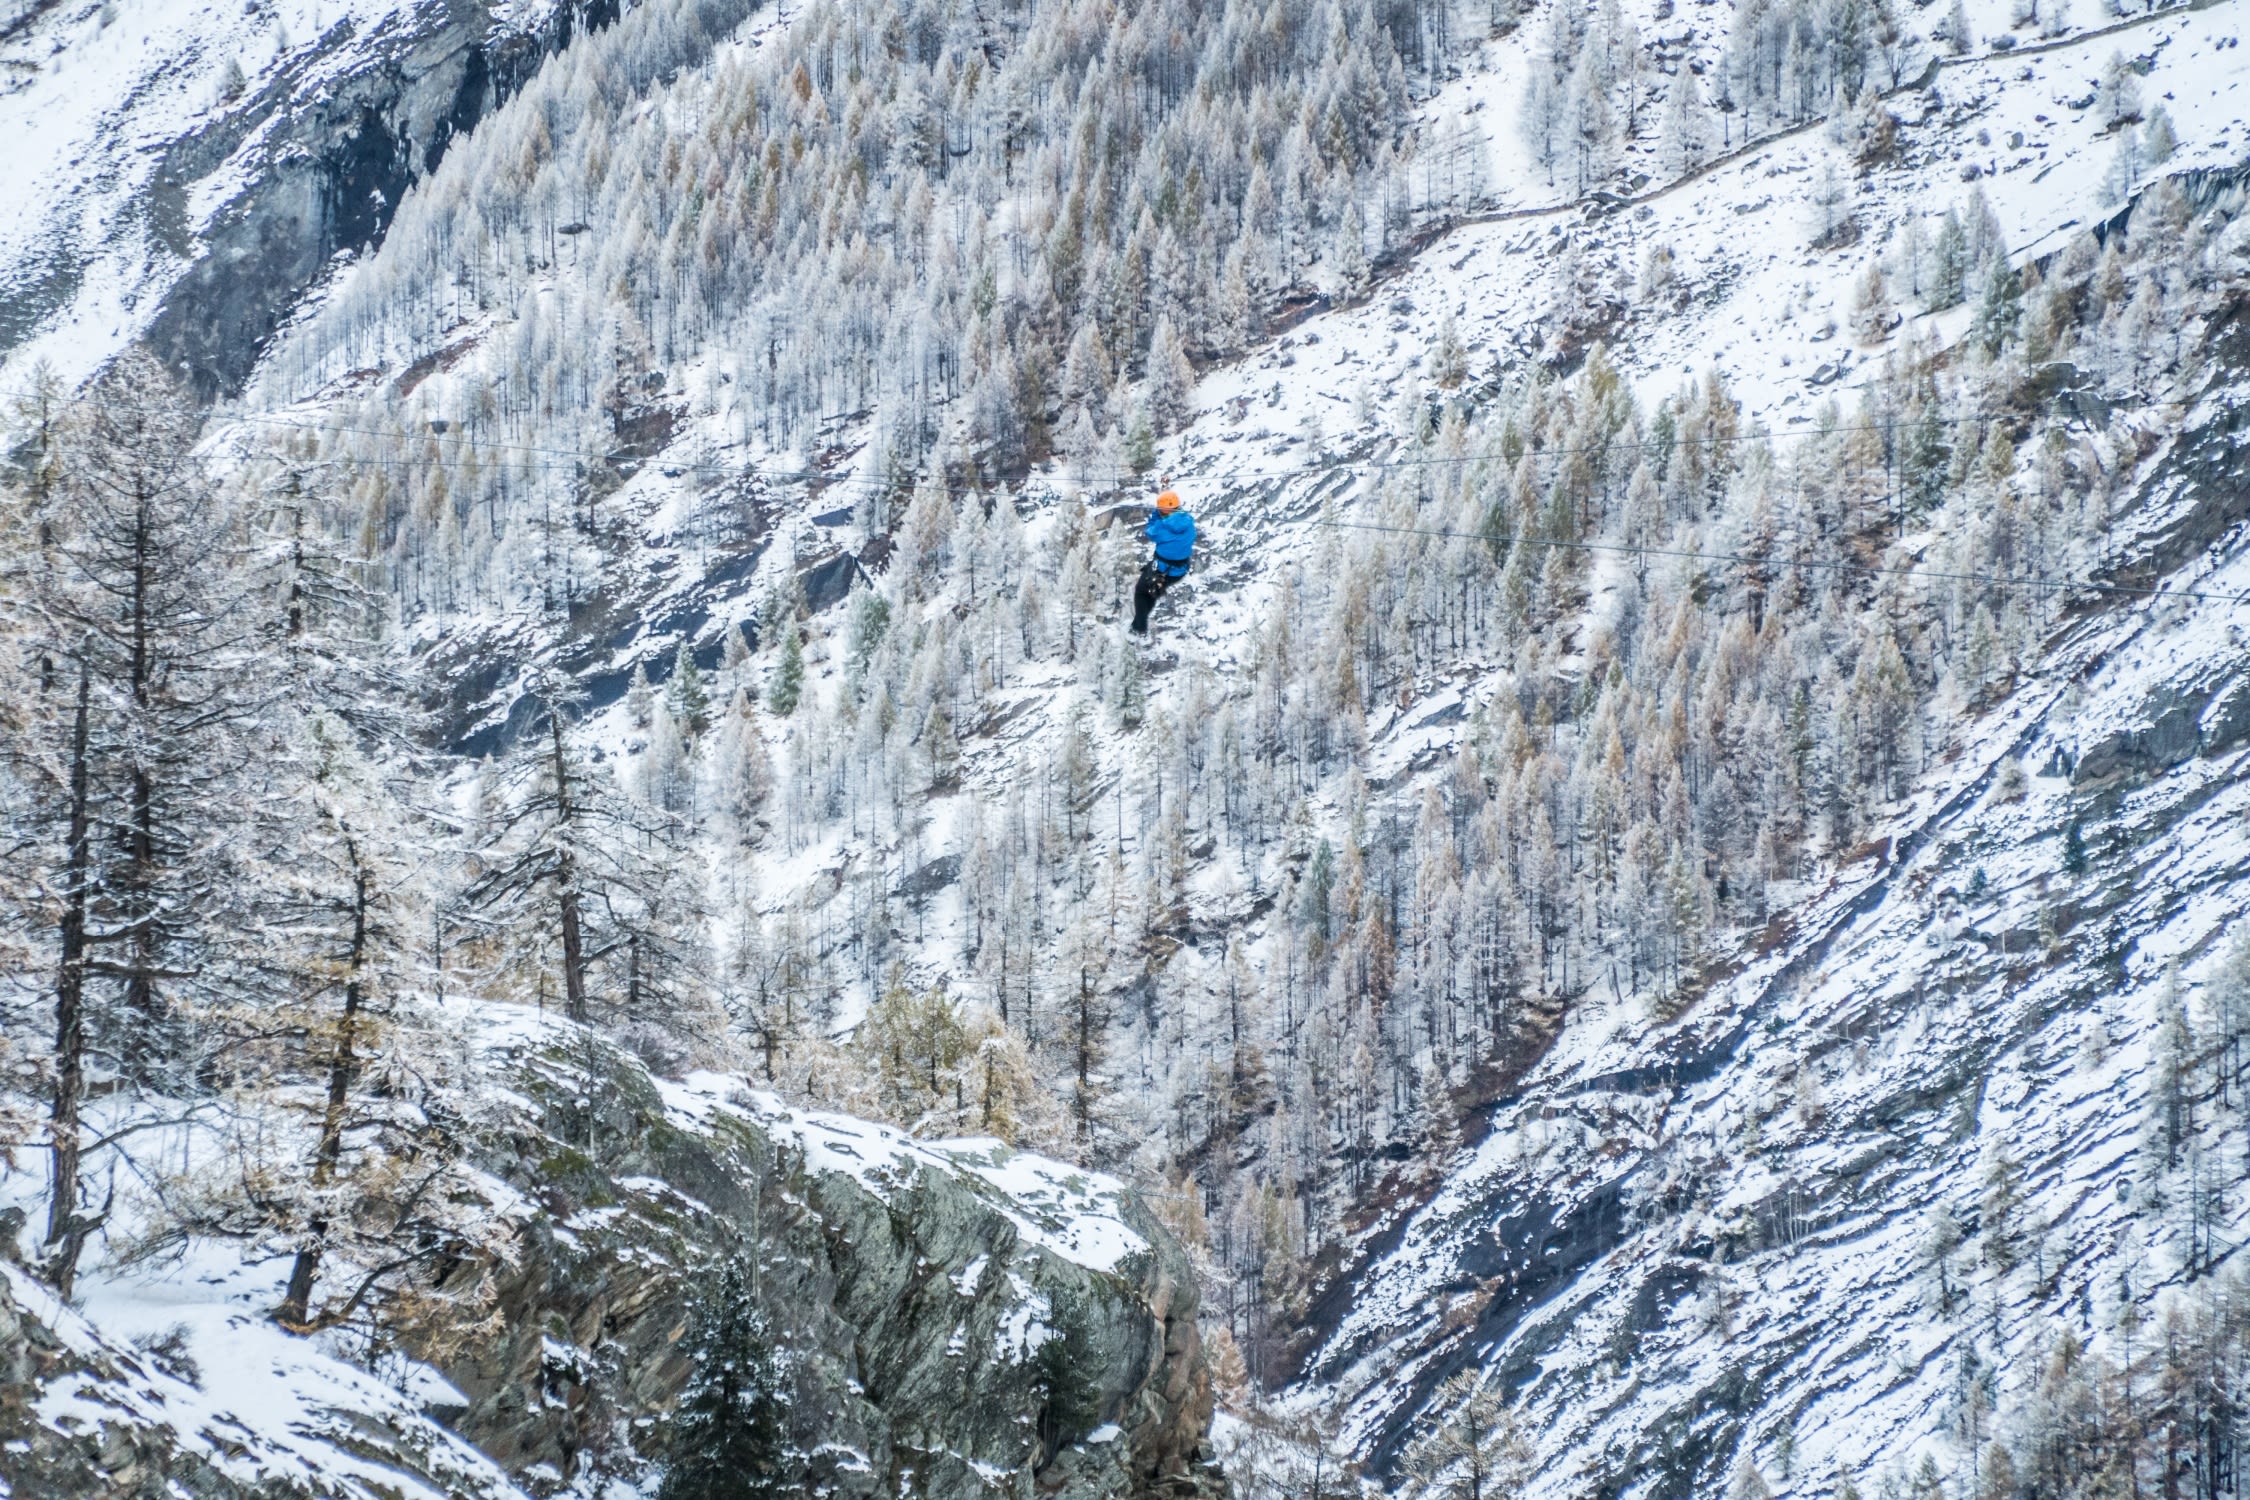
1154	581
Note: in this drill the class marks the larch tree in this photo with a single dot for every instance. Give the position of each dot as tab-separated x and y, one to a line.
151	664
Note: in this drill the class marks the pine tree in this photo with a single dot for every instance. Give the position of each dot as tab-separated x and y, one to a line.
2230	1012
1066	1402
1590	123
729	1434
640	698
1449	360
789	677
914	1043
1170	378
2000	1208
1686	128
2117	100
741	775
1949	264
2159	141
2171	1061
1999	309
2074	848
1958	37
685	695
596	887
382	1190
1139	452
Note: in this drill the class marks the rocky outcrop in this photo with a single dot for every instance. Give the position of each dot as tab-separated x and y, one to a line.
216	219
331	161
2176	722
915	1286
957	1321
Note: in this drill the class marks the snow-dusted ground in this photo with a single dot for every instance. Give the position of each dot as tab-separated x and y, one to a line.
188	1352
1954	1001
1897	984
1768	310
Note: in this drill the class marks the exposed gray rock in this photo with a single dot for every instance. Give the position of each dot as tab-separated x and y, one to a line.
2176	722
334	162
316	160
2226	723
913	1291
2167	732
913	1288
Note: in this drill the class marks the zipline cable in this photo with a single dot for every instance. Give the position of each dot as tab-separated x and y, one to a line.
1115	479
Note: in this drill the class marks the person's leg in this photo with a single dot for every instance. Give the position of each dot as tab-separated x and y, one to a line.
1145	594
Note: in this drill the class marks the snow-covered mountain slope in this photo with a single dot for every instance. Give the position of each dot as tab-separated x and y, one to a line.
186	175
1904	1138
1653	834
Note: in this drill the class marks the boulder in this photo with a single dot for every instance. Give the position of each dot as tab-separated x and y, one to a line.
915	1284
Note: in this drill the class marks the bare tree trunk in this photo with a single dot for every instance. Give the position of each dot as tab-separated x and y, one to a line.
140	981
343	1065
66	1230
566	883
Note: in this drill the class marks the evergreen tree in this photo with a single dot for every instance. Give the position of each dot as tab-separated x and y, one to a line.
1686	129
593	889
685	695
1170	378
1066	1403
789	677
1479	1452
1949	264
1999	309
1449	360
729	1435
2117	100
1958	36
1140	443
2159	141
741	768
150	682
640	698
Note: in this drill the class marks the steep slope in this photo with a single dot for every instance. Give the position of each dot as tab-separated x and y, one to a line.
187	180
1635	594
1698	1241
914	1286
1358	899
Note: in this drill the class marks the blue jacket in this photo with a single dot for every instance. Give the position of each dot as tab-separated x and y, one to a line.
1174	536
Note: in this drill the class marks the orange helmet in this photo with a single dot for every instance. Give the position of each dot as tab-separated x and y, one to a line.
1167	502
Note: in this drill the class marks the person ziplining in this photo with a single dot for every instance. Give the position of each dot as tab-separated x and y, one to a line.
1172	530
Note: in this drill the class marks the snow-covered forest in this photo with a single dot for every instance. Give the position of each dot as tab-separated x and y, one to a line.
1678	487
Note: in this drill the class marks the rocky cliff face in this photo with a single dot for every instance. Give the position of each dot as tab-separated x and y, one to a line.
914	1284
913	1288
174	186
